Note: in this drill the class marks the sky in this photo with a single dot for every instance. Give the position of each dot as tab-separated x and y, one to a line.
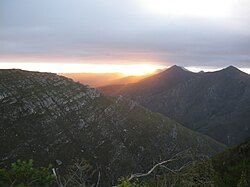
120	34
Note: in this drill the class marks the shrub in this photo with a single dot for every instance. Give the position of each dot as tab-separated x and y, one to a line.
23	173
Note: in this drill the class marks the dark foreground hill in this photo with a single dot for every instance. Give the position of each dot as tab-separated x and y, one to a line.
231	168
53	119
215	103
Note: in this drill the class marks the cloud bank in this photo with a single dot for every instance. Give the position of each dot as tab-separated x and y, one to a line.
100	31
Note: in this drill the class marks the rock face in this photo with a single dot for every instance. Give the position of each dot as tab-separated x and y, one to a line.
216	104
53	119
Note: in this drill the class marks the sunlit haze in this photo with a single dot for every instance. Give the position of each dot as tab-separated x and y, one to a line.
126	70
135	69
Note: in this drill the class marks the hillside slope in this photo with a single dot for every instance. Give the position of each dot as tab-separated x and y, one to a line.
230	168
215	103
227	169
53	119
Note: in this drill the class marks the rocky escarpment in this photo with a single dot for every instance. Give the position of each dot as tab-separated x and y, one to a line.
53	119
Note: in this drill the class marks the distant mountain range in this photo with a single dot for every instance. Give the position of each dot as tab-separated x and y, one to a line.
94	79
101	79
214	103
53	119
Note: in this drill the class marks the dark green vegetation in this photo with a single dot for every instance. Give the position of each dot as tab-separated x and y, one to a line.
215	103
227	169
22	173
230	168
55	120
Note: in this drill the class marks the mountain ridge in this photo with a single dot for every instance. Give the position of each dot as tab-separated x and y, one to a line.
201	101
44	115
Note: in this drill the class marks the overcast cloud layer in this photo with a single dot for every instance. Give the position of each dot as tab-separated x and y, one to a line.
115	30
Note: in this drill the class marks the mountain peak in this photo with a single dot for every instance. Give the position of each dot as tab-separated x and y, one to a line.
171	72
231	69
176	68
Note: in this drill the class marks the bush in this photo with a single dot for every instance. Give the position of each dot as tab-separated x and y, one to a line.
126	183
23	173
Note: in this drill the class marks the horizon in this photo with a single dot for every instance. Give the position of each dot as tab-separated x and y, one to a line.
130	70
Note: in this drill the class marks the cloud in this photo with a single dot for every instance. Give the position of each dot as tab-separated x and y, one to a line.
113	30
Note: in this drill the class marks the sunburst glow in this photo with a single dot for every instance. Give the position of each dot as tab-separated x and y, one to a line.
197	8
135	69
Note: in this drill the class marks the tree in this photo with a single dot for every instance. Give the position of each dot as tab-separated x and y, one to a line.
81	174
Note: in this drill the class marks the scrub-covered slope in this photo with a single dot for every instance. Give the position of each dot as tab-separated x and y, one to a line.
53	119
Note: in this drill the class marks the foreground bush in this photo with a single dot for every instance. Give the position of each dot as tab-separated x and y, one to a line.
23	173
